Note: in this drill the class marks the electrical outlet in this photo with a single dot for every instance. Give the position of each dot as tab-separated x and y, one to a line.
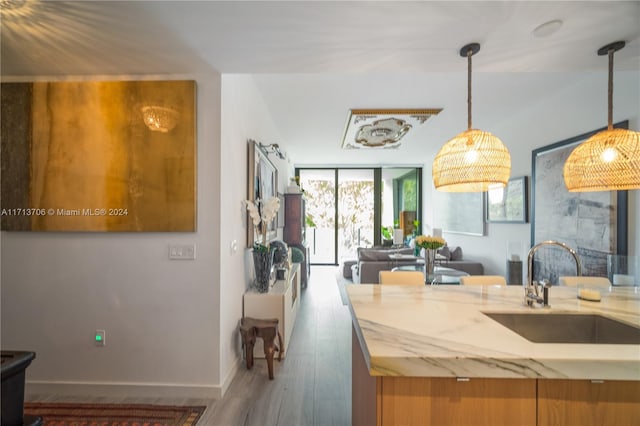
182	251
100	338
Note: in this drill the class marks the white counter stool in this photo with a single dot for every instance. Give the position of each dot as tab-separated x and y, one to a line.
585	281
483	280
401	277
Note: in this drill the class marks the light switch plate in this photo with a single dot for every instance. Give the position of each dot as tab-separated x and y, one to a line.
182	251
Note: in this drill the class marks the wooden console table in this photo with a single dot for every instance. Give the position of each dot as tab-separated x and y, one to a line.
281	302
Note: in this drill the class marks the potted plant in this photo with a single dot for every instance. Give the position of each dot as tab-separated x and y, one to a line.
262	212
387	235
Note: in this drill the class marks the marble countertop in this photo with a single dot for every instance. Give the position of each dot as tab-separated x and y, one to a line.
441	331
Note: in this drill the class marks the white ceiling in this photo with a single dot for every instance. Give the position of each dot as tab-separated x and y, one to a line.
313	61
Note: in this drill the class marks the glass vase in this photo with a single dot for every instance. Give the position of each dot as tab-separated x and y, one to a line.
262	261
429	265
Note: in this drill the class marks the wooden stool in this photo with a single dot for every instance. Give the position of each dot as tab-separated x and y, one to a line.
266	329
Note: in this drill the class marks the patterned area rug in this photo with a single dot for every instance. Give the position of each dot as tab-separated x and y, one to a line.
67	414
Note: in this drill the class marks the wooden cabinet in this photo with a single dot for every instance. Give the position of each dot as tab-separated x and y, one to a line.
294	232
281	301
389	400
407	217
451	401
294	219
587	402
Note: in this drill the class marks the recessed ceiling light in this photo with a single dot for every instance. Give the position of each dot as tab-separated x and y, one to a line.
548	28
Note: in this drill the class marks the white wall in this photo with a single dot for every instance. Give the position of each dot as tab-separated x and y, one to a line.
171	326
577	109
244	116
162	317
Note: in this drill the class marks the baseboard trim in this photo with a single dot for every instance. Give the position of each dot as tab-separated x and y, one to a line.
147	390
105	390
230	376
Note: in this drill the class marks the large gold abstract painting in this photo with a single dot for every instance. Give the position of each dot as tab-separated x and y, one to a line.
98	156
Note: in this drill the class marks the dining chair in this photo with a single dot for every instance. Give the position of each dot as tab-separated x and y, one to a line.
401	277
483	280
573	281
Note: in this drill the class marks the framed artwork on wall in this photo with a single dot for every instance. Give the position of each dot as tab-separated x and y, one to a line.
262	185
281	211
509	204
99	156
460	212
592	223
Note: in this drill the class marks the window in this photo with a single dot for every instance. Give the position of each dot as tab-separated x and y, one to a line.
348	207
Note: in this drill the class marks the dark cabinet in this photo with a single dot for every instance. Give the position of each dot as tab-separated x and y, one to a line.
14	364
514	272
294	230
294	223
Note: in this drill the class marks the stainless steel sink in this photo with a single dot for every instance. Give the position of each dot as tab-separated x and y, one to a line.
568	328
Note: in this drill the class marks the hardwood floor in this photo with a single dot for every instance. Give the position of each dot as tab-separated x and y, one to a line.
312	385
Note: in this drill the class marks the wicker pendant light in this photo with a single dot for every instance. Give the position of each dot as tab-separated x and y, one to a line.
474	159
610	159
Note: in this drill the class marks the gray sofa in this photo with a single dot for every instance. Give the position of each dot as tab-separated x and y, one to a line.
452	258
373	260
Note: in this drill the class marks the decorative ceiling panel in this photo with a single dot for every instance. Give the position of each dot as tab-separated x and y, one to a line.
382	128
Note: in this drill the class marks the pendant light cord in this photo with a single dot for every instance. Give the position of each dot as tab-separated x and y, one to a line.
610	92
469	53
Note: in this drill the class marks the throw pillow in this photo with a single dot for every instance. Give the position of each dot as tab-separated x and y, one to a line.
373	255
297	255
366	255
445	252
408	250
456	253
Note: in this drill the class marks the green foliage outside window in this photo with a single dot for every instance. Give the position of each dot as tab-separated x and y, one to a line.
309	221
355	208
409	194
387	232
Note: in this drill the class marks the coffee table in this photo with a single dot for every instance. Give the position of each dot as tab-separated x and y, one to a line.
442	275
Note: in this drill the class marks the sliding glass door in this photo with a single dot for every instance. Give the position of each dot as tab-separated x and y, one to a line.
347	208
401	199
320	193
355	211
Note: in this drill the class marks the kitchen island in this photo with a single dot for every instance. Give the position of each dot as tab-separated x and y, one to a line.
429	355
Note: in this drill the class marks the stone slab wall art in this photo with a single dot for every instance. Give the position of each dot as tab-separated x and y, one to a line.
592	223
98	156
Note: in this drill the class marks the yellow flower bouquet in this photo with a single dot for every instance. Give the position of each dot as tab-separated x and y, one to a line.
430	245
429	242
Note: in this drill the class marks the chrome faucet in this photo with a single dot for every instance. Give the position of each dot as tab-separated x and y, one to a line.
532	289
532	293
